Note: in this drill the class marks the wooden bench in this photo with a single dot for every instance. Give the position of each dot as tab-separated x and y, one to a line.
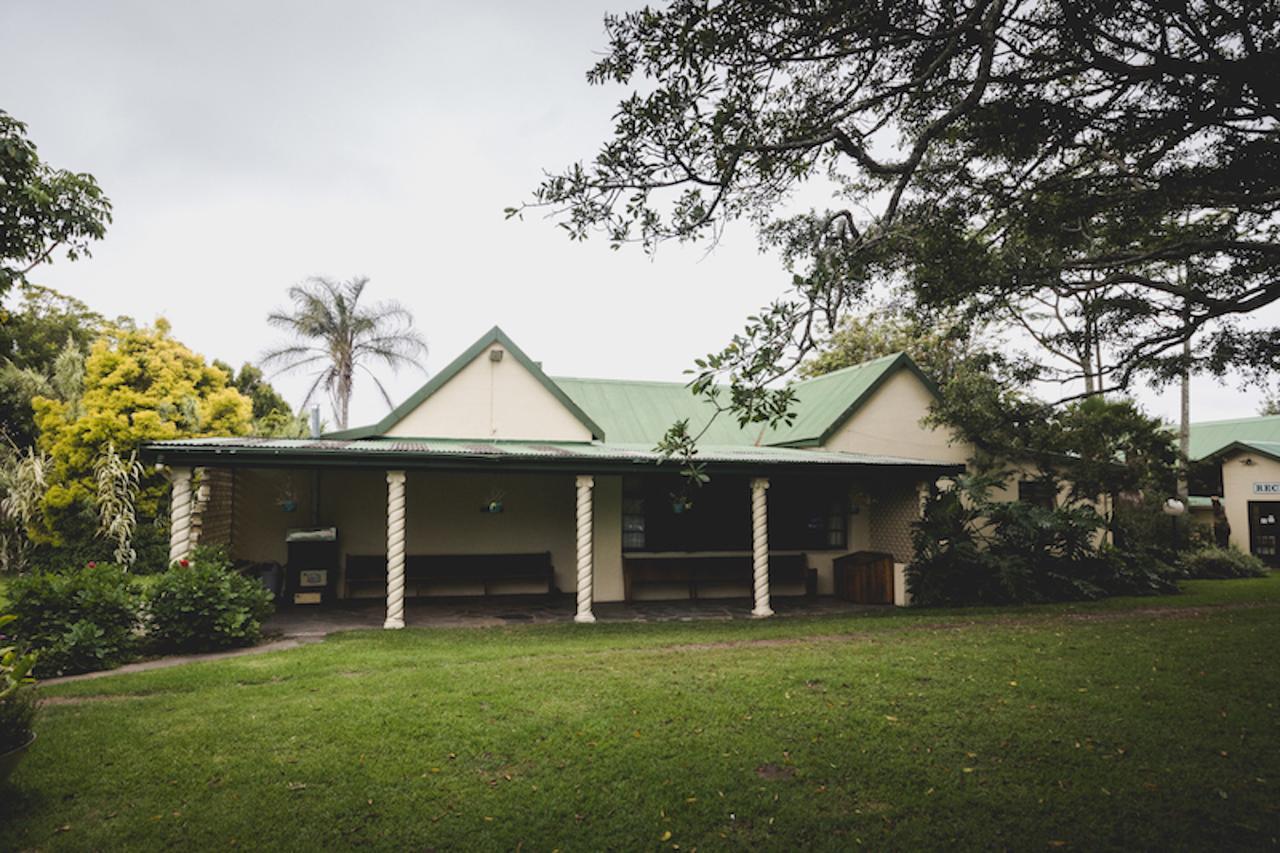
370	570
693	571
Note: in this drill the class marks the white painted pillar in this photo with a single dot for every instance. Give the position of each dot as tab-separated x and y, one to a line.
586	484
179	514
395	550
760	546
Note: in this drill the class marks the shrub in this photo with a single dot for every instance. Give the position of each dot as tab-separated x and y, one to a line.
17	705
1221	563
206	605
78	620
17	718
971	549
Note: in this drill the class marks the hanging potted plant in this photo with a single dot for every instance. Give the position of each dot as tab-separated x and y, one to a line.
287	498
17	705
680	503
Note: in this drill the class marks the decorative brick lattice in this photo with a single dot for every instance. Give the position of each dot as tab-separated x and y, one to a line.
894	509
215	502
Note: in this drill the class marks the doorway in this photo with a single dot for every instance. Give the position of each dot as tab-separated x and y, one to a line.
1264	531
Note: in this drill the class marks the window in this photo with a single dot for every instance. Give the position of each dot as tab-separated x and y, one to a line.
1041	493
632	516
808	515
803	515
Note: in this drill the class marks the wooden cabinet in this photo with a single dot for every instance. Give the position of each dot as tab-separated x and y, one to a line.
865	577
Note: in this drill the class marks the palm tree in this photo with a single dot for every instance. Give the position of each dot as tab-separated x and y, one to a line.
336	335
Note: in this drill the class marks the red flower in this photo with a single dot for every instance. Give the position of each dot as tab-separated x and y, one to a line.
92	564
183	563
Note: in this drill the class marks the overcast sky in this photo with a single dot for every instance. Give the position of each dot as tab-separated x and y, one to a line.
247	145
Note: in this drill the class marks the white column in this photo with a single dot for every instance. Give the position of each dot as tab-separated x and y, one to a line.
760	546
395	550
179	514
586	483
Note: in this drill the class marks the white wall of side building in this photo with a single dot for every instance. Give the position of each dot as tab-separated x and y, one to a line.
1244	474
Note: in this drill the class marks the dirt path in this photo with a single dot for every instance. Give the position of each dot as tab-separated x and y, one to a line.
181	660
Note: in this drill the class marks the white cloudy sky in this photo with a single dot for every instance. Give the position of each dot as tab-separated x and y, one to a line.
247	145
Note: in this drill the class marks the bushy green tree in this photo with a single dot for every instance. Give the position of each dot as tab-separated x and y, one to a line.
43	340
941	346
272	414
43	210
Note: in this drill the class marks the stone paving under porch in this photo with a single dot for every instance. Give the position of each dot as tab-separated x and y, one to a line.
477	612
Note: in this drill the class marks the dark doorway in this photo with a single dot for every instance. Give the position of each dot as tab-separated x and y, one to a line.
1264	531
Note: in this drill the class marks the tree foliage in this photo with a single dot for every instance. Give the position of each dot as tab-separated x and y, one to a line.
42	210
139	385
335	336
43	340
272	414
981	151
941	347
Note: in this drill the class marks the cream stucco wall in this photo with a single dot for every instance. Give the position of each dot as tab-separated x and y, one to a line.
492	400
890	423
442	517
1240	472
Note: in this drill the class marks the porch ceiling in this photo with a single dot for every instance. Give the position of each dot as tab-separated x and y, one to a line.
581	457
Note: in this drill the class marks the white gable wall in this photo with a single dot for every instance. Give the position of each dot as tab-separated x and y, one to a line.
492	400
889	424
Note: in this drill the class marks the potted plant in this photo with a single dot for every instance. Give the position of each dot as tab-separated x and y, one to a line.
17	705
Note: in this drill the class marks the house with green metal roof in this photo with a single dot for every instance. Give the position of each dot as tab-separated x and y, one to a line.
497	478
1243	455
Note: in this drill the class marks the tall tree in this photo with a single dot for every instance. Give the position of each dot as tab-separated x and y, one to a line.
941	346
42	210
335	336
987	151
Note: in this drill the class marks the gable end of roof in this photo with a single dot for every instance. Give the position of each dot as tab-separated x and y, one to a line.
435	383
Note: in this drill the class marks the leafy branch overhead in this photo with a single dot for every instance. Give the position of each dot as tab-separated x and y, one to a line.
42	210
985	153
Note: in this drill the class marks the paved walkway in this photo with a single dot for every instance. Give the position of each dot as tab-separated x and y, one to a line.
293	626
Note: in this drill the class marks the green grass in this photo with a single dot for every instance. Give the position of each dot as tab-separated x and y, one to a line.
1140	723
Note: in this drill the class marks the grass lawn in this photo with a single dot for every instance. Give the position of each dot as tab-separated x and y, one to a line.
1140	723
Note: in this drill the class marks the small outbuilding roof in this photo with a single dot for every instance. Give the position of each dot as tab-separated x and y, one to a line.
1270	449
1210	438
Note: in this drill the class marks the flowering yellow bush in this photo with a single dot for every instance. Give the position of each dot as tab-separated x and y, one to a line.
140	385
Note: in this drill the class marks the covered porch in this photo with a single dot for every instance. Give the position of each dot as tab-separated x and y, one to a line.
434	531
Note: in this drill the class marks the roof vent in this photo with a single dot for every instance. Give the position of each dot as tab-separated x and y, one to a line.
495	355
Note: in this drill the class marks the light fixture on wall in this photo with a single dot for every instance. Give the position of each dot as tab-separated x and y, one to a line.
494	504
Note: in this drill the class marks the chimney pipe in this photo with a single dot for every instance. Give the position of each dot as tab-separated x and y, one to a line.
315	421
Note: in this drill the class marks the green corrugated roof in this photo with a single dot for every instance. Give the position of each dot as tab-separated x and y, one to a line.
641	412
1210	437
825	402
